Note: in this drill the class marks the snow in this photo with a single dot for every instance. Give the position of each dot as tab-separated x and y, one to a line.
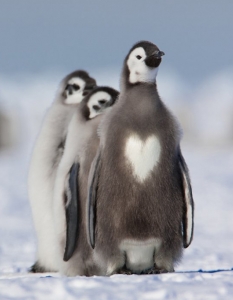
210	160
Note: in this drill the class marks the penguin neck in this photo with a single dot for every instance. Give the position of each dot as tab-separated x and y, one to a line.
60	112
126	85
60	104
148	90
142	95
83	116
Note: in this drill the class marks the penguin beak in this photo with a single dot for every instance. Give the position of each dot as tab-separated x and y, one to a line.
154	60
158	53
69	89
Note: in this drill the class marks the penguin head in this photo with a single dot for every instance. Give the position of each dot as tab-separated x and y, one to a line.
97	101
142	63
76	86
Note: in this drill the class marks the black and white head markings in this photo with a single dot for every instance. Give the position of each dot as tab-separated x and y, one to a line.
80	149
77	85
97	101
140	205
46	157
142	63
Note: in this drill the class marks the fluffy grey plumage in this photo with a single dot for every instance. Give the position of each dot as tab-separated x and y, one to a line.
139	193
80	149
46	157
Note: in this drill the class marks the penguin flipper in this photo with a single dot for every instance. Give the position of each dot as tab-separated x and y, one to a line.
72	212
92	194
188	216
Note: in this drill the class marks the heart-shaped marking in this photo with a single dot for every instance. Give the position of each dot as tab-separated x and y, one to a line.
142	155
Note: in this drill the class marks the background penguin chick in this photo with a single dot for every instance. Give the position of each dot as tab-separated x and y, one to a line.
140	205
79	84
97	101
46	156
71	186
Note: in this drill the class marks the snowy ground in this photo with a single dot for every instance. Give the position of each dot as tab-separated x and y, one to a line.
211	251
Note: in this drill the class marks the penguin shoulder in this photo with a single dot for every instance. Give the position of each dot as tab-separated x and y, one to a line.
109	121
174	125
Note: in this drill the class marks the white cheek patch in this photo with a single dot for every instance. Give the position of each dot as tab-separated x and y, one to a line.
94	100
143	74
139	71
77	96
143	156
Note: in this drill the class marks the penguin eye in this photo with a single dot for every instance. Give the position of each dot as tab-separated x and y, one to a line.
102	101
76	87
138	57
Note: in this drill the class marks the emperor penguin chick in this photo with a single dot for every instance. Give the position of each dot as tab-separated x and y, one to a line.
72	181
46	156
140	205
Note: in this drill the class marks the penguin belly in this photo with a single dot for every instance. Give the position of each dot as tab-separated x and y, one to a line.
137	233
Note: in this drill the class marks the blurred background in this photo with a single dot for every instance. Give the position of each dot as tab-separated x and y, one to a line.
42	41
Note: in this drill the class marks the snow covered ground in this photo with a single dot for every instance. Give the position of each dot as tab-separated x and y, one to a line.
211	166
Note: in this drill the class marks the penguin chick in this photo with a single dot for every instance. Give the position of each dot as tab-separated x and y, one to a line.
46	156
72	181
140	205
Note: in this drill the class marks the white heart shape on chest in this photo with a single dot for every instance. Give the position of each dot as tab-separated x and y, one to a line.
143	156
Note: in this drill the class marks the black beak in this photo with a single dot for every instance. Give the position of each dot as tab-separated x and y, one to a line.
154	60
69	89
158	53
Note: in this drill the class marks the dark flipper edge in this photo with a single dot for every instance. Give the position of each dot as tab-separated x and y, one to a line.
72	213
188	217
92	194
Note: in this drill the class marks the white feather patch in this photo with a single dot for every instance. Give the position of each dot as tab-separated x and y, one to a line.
143	156
140	254
139	71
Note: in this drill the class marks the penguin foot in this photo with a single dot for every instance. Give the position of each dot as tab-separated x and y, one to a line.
156	270
151	271
37	268
124	271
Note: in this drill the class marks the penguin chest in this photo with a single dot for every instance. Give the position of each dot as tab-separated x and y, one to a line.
142	155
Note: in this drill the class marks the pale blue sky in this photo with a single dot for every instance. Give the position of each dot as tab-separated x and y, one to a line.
48	35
